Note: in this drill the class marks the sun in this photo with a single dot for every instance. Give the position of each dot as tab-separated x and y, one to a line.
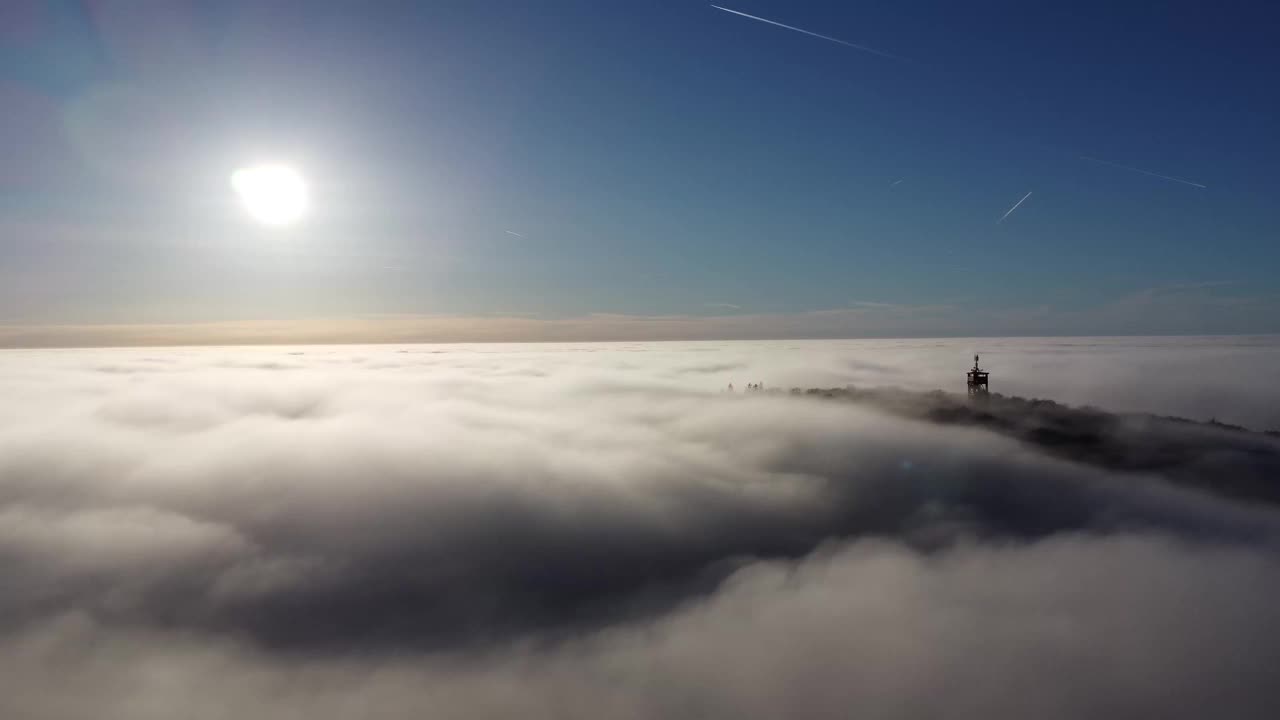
273	194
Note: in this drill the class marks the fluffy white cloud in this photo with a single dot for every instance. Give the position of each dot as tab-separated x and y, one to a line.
598	531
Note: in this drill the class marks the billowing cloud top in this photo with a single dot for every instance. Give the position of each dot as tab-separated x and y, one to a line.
602	531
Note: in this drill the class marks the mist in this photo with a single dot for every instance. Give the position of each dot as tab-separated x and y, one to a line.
603	531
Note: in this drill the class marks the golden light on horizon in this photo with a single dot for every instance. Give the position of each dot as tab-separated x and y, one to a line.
273	195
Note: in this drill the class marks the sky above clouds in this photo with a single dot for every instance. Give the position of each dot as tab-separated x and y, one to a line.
599	531
573	161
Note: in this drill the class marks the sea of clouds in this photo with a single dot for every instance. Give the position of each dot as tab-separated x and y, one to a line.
600	531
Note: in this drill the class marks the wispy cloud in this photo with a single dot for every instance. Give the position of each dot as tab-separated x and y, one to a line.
513	232
828	38
724	306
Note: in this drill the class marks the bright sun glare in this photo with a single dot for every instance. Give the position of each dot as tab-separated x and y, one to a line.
273	194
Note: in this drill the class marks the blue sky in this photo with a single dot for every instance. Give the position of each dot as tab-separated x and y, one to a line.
659	159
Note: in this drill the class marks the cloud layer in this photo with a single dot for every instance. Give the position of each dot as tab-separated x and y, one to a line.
596	531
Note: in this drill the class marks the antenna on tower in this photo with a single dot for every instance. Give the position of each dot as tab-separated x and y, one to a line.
977	378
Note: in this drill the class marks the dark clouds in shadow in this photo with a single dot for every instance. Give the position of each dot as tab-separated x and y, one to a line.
1067	627
463	538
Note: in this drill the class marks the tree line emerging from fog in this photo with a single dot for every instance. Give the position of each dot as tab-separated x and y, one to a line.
1221	458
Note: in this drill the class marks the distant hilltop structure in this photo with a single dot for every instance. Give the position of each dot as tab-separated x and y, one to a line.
978	380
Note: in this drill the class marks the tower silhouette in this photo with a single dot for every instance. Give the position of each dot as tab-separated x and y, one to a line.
977	380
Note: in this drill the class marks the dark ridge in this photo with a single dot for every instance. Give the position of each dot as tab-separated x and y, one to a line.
1217	457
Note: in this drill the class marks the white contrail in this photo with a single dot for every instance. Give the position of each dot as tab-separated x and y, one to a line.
863	48
1144	172
1015	207
512	232
895	182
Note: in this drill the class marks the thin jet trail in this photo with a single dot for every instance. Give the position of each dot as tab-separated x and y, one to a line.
1015	207
1144	172
863	48
895	183
512	232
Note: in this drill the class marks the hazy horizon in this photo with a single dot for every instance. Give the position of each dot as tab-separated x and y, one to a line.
1165	375
498	329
